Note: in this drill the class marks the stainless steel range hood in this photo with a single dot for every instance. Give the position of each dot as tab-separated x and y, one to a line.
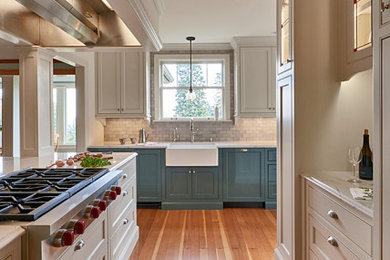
64	24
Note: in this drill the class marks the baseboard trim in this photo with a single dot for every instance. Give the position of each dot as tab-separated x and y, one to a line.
243	204
148	205
185	205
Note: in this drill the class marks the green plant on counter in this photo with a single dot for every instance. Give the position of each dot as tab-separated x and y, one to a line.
96	162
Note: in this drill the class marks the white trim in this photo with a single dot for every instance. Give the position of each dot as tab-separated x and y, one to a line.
143	17
197	46
158	58
160	6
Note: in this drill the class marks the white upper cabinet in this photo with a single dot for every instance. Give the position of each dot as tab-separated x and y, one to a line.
255	76
355	37
121	85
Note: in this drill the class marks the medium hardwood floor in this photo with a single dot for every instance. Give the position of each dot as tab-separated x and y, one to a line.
232	234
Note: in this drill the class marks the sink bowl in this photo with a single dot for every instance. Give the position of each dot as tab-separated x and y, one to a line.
192	154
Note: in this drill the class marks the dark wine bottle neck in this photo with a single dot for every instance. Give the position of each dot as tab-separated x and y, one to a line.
365	139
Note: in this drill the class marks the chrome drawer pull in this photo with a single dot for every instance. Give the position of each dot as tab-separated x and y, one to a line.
125	221
79	245
333	241
333	214
244	150
125	193
124	176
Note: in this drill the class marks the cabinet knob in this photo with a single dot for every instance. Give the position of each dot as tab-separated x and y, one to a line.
125	221
289	60
124	176
189	172
118	109
384	7
331	240
125	193
244	150
332	214
122	109
193	172
79	245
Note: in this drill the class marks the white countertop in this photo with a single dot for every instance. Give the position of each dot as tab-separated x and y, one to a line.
11	164
163	145
337	184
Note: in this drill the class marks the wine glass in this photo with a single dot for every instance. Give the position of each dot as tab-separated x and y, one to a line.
354	157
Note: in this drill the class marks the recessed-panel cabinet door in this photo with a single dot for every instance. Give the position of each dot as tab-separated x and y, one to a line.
149	172
108	82
132	93
242	175
205	182
178	183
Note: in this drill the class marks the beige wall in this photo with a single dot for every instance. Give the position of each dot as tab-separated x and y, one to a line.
330	115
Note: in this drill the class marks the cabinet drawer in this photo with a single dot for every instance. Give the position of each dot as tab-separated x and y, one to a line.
385	15
120	238
118	208
319	235
343	220
129	172
95	243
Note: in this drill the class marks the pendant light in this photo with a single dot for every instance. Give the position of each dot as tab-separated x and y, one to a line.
191	94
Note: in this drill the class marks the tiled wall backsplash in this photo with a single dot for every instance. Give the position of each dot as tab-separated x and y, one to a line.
245	129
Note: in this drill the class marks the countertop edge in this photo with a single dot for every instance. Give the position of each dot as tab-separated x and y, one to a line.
353	203
165	145
7	236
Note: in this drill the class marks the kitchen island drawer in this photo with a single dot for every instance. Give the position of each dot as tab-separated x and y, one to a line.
121	235
341	218
91	245
129	171
326	243
122	202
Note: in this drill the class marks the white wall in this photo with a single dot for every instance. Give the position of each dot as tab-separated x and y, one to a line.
94	130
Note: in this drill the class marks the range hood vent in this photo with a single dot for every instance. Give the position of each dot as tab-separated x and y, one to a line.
65	23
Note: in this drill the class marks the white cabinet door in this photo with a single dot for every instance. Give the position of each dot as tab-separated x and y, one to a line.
133	87
385	81
108	83
257	81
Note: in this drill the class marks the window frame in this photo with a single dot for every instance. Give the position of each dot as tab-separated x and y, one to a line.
197	58
61	88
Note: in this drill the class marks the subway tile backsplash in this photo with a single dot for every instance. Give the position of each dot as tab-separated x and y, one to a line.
244	129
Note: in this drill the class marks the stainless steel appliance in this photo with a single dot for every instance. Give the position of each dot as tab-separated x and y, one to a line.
142	135
65	206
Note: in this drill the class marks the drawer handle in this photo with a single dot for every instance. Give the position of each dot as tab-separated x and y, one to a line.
331	240
125	193
124	176
384	7
125	221
333	214
79	245
244	150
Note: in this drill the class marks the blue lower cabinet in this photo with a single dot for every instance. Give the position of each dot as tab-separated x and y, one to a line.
205	183
249	175
178	183
243	175
192	188
150	167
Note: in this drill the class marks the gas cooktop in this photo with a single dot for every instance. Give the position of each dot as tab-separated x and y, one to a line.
28	194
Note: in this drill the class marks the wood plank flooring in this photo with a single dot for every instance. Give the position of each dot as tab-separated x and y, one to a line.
231	234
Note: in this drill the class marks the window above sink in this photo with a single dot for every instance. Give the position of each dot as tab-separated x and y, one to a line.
210	82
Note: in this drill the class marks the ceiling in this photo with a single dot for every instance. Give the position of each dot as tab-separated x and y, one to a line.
216	21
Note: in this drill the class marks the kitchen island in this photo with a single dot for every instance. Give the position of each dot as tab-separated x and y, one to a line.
116	221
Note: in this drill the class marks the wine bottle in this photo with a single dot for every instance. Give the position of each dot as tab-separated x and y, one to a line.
365	166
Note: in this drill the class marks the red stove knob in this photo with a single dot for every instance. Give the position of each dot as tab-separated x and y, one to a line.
102	205
95	212
117	189
67	238
79	227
